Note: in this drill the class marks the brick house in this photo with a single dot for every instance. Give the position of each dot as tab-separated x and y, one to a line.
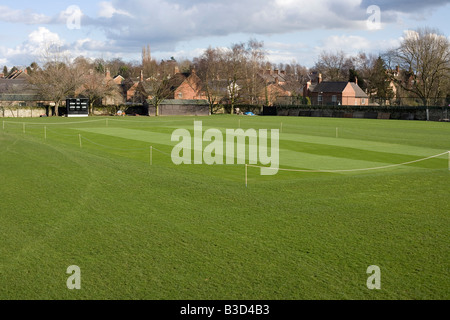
275	89
335	93
191	88
182	86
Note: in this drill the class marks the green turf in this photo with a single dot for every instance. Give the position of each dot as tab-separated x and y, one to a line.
196	232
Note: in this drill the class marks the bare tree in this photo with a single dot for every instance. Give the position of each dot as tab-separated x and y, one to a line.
256	59
209	69
334	66
160	89
57	79
97	87
424	58
234	71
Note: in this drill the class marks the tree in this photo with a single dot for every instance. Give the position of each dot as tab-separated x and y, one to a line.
5	71
209	68
57	79
32	68
160	90
380	82
256	56
334	66
424	58
233	62
97	87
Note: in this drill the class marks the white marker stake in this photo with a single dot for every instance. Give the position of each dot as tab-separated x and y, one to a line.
449	160
151	155
246	176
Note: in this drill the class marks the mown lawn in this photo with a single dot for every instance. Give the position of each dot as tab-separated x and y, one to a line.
160	231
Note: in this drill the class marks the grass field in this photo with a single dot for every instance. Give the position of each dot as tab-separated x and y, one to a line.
160	231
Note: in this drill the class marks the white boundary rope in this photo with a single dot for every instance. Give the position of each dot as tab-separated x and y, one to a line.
54	124
353	170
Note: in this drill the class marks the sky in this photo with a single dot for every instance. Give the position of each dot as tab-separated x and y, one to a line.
292	30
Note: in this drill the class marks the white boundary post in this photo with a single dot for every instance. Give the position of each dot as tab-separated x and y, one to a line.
246	175
151	155
449	160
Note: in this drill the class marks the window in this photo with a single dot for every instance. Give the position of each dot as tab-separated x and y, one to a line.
22	104
363	101
334	99
180	95
319	99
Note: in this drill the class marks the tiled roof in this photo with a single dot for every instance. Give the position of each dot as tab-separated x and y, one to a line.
333	87
338	87
359	92
17	90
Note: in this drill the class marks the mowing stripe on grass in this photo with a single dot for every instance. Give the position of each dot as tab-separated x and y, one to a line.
288	158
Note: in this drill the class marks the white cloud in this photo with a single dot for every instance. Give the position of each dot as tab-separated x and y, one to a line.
107	10
22	16
352	44
43	36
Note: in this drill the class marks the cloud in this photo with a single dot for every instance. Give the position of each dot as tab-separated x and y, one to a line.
22	16
107	10
163	23
351	44
405	6
42	41
43	36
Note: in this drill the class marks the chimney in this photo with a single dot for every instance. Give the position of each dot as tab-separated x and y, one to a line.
283	72
142	75
356	80
277	81
2	75
108	73
25	71
176	70
306	88
320	78
276	71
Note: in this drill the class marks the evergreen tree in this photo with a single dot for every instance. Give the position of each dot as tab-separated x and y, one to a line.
381	84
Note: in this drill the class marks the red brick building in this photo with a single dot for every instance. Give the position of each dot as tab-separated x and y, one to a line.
336	93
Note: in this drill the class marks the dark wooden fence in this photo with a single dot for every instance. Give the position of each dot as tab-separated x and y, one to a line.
361	112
